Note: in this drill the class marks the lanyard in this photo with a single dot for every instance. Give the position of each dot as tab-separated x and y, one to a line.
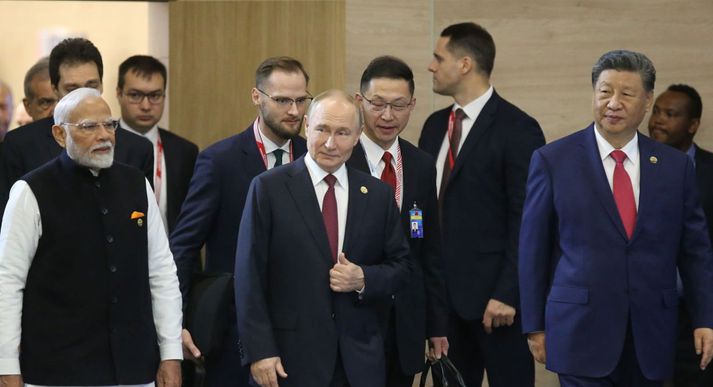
451	156
158	176
399	172
261	145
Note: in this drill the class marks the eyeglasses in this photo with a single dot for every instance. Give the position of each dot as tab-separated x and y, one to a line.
378	105
109	125
45	103
154	97
286	102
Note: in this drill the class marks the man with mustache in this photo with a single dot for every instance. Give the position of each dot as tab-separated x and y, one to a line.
213	207
88	287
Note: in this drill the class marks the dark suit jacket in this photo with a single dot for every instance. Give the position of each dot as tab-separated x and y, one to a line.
212	209
420	308
704	182
180	155
483	203
33	145
583	281
284	304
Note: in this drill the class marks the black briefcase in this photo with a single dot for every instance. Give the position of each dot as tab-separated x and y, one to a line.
207	309
440	371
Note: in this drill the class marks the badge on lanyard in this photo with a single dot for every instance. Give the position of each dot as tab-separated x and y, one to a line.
416	220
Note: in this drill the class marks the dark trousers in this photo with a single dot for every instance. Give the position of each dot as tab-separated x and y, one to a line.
687	372
503	354
626	374
339	378
223	369
395	376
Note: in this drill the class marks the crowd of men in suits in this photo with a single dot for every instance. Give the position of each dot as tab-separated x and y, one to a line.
352	249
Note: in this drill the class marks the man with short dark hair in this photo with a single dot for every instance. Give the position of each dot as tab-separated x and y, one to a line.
88	287
482	145
212	210
73	63
419	311
320	252
674	121
39	98
609	216
141	92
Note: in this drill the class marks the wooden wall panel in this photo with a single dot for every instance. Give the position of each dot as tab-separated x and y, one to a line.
216	46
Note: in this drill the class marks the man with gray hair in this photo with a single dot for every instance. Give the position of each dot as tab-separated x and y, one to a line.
39	98
6	108
609	216
88	287
320	252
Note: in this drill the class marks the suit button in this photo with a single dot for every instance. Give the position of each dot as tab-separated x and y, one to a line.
112	269
104	211
115	300
97	184
109	238
332	316
393	296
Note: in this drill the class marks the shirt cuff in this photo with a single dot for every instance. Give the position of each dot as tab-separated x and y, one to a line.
172	351
10	366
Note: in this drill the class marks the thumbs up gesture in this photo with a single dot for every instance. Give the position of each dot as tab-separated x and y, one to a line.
345	276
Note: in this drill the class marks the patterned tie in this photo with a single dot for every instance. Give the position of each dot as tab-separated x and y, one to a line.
388	176
452	153
278	156
624	193
329	214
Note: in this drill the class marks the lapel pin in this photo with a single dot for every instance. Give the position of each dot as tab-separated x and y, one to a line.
653	160
140	222
363	190
138	216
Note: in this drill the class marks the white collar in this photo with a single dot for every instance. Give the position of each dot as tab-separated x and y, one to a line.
317	174
151	134
268	144
473	108
374	152
631	149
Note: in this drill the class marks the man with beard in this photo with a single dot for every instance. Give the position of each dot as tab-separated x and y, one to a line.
88	287
214	205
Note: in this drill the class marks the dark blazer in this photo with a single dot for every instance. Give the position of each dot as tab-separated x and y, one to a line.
704	182
33	145
284	304
483	203
583	282
420	308
212	209
180	157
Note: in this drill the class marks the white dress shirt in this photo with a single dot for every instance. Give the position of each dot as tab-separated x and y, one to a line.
152	135
270	149
631	164
374	154
472	111
19	237
341	192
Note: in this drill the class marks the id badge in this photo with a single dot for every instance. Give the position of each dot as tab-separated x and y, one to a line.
416	220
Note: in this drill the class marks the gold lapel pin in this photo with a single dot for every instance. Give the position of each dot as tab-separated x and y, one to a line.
140	222
363	190
653	160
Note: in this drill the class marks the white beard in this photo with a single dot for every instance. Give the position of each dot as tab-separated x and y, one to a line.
87	158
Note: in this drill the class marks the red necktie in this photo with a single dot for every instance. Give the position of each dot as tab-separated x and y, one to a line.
452	152
329	214
624	193
388	176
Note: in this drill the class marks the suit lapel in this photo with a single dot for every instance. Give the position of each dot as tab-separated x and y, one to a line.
595	169
648	176
302	191
480	126
358	159
254	165
410	177
356	207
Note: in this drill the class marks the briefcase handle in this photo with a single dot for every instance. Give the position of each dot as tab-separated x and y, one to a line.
444	366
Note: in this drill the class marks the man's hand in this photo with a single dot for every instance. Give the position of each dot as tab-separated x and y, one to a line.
346	276
11	381
437	347
265	371
703	341
190	351
497	314
536	342
169	374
